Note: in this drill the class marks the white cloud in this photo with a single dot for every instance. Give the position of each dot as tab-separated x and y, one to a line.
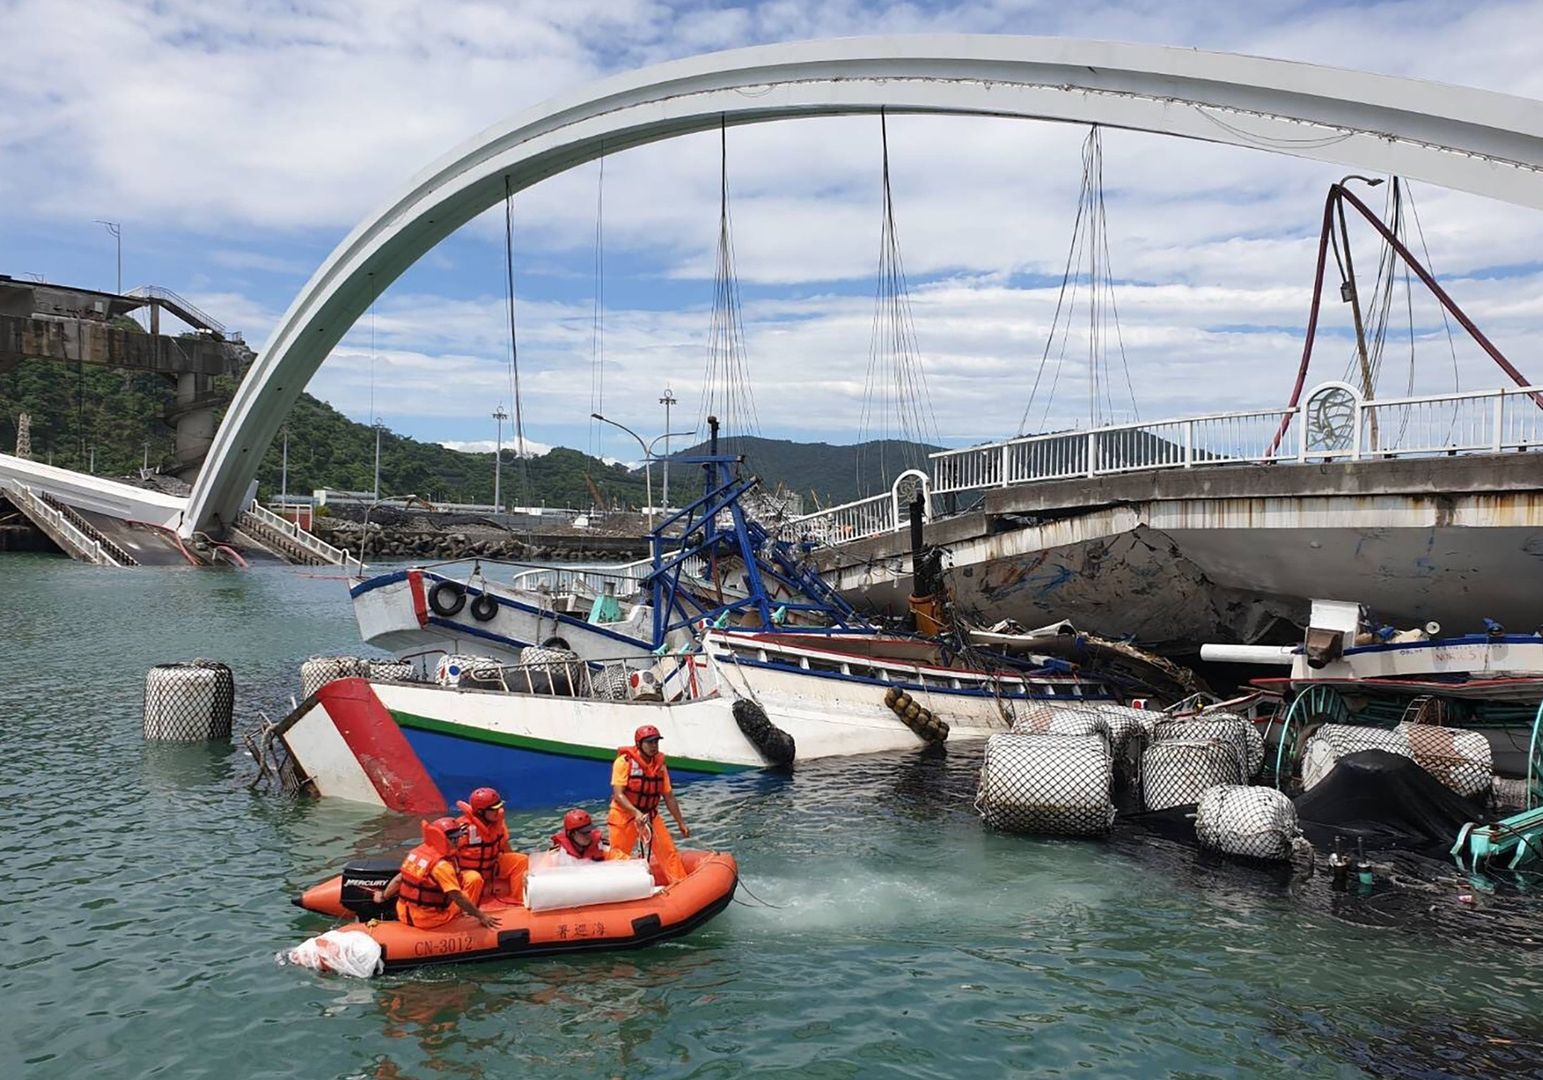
258	130
533	449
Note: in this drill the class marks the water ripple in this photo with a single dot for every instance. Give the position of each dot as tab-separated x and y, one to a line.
149	891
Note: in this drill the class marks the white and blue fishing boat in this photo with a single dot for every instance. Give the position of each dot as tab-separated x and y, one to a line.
762	666
545	733
710	563
1466	708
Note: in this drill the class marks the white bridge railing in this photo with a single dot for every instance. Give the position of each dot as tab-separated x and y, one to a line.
1333	423
863	518
312	543
85	547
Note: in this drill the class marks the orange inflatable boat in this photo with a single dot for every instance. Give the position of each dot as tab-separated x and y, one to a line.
711	878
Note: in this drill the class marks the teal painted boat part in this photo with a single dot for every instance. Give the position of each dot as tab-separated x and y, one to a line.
605	609
1519	836
578	751
1316	703
1534	764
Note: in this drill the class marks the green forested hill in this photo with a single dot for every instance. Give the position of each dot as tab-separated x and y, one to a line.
326	449
836	474
119	414
75	409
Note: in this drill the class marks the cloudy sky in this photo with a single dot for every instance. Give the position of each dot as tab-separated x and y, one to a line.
238	143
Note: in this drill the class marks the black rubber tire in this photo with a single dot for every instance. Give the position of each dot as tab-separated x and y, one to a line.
556	643
773	744
447	598
483	607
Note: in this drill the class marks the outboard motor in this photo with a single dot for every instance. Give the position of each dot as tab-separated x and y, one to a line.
360	880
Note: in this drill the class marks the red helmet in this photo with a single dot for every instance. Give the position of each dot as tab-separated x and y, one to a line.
486	798
443	834
577	819
647	731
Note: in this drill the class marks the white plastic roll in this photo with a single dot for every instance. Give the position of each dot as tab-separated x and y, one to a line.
1053	784
1124	723
1043	719
453	668
318	671
391	670
1176	772
1254	822
1228	727
611	882
188	702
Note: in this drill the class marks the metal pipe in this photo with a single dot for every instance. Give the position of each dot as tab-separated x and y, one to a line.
1274	655
1441	294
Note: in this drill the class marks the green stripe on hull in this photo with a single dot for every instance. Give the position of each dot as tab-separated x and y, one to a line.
550	746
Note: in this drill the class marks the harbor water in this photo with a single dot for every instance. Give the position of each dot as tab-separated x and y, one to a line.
882	930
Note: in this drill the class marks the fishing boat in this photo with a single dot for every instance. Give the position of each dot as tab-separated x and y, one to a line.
1467	708
545	734
763	666
710	562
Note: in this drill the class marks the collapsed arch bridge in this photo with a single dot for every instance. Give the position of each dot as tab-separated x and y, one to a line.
1473	140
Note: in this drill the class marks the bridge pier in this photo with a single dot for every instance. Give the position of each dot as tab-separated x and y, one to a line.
192	414
81	326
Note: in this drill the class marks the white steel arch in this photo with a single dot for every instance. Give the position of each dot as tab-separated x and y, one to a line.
1456	137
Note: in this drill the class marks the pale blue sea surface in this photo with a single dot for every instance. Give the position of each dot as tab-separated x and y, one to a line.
148	891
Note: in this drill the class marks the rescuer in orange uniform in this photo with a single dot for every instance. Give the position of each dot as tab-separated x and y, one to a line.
486	848
639	780
580	840
431	886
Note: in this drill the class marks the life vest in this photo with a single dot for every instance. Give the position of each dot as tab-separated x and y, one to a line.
418	887
594	853
645	780
479	851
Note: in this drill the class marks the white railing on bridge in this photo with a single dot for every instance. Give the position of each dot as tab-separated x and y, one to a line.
188	308
862	518
1485	421
312	543
1161	444
1332	423
87	547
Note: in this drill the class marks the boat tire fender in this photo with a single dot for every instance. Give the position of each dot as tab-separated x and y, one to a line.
447	598
928	726
484	607
774	744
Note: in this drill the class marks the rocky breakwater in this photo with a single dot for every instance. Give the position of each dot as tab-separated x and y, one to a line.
391	533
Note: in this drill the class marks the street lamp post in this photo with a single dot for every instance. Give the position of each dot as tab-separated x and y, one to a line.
648	476
378	425
648	456
668	400
284	473
116	230
499	416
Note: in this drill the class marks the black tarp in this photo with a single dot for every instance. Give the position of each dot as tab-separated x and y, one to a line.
1385	801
